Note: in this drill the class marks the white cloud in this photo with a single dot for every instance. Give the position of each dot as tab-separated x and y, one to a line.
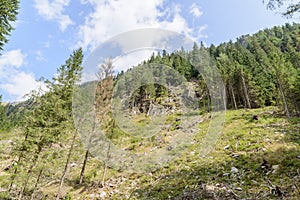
200	31
15	82
12	58
110	18
20	84
117	17
54	11
195	10
132	59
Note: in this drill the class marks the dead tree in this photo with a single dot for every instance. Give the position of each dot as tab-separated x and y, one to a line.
102	105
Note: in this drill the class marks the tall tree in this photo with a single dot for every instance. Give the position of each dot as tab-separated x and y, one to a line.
102	105
50	120
228	69
69	74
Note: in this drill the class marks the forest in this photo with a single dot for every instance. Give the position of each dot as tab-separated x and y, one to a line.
256	157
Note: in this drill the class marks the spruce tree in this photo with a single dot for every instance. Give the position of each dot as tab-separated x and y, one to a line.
8	14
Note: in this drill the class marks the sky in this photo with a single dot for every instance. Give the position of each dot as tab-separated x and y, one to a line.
47	31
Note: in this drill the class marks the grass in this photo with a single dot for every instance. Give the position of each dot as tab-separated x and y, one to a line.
253	159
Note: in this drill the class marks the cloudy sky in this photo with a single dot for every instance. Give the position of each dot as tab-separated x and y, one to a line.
47	31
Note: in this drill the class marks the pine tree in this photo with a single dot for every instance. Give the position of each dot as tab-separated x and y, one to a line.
50	120
279	68
8	14
69	74
228	70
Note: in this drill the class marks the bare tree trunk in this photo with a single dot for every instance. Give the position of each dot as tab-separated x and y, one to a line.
29	172
150	109
233	96
37	182
296	109
17	164
105	166
208	102
83	166
133	105
87	151
202	100
104	175
66	167
245	91
15	172
223	100
284	99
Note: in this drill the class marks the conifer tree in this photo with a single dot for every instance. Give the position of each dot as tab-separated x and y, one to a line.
8	14
49	121
69	74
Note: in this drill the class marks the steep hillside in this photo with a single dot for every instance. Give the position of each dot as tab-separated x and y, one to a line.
253	159
258	70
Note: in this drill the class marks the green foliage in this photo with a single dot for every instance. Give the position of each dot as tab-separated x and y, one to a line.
13	114
8	14
48	122
51	116
258	70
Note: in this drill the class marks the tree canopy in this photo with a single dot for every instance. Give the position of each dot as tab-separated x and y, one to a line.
258	70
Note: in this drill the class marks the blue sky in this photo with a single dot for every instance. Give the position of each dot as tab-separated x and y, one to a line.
47	31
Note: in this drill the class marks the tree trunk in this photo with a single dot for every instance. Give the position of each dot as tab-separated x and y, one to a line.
66	167
133	105
37	182
233	96
15	172
245	91
105	166
208	102
87	151
104	174
29	172
296	108
284	99
17	164
83	166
